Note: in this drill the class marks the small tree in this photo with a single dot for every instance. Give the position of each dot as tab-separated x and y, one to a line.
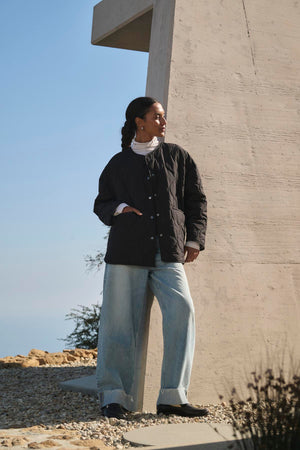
85	333
94	262
86	318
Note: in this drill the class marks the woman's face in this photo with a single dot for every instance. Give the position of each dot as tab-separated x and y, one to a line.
153	124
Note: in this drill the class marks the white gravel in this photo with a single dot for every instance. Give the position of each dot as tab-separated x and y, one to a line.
32	397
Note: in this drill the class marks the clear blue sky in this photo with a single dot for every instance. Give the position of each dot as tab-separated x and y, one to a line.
62	106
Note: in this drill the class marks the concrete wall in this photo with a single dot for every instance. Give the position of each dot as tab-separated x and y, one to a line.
234	104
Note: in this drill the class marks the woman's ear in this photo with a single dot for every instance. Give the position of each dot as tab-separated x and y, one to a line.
139	122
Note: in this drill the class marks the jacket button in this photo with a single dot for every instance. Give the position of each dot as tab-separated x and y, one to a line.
150	197
152	237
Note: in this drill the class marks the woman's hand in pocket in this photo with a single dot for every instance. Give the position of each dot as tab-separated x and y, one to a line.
128	209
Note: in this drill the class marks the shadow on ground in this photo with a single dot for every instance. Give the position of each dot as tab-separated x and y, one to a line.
32	396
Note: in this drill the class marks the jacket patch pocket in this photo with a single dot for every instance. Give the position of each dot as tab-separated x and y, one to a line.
127	219
125	229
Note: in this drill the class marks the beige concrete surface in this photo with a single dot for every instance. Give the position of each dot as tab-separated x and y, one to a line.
160	50
123	24
230	82
180	434
86	385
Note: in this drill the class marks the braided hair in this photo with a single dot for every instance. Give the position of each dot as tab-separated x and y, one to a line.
137	108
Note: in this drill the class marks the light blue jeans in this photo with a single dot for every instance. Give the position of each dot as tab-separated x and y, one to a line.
124	301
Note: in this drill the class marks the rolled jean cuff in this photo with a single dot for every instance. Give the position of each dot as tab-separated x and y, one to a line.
172	397
116	396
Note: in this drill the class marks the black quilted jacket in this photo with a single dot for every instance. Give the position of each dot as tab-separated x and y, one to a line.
165	186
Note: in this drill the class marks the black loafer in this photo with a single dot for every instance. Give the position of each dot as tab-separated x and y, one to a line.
185	410
114	410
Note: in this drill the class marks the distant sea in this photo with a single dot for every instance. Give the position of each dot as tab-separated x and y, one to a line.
18	335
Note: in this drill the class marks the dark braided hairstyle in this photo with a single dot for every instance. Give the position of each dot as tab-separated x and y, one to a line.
137	108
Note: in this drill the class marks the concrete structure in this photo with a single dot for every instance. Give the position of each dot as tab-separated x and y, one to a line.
183	435
228	74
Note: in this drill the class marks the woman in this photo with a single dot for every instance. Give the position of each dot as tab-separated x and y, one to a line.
151	196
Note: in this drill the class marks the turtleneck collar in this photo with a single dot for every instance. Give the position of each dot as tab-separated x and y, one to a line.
143	148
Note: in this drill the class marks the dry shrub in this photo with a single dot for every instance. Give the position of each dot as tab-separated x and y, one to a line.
269	419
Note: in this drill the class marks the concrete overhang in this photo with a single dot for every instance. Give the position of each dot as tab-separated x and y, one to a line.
123	24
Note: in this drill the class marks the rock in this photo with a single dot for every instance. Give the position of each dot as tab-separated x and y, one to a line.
7	442
30	362
71	358
37	353
19	441
48	444
83	353
90	443
63	436
37	358
113	420
53	359
10	361
94	352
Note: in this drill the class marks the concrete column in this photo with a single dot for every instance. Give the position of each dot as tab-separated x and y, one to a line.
234	104
160	50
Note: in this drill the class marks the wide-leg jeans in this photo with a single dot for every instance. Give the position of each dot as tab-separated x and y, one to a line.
124	302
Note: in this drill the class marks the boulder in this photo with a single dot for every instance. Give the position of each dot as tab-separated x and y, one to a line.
37	353
82	353
30	362
37	358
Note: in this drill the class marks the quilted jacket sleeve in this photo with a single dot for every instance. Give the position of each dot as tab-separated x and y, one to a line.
106	203
195	205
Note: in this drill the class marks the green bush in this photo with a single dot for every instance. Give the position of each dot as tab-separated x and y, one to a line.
85	334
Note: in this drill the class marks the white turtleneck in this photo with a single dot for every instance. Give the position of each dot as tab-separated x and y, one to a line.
143	148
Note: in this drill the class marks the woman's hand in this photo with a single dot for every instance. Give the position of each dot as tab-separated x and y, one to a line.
128	209
190	254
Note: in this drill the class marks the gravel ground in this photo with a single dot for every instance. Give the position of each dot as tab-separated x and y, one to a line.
32	397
